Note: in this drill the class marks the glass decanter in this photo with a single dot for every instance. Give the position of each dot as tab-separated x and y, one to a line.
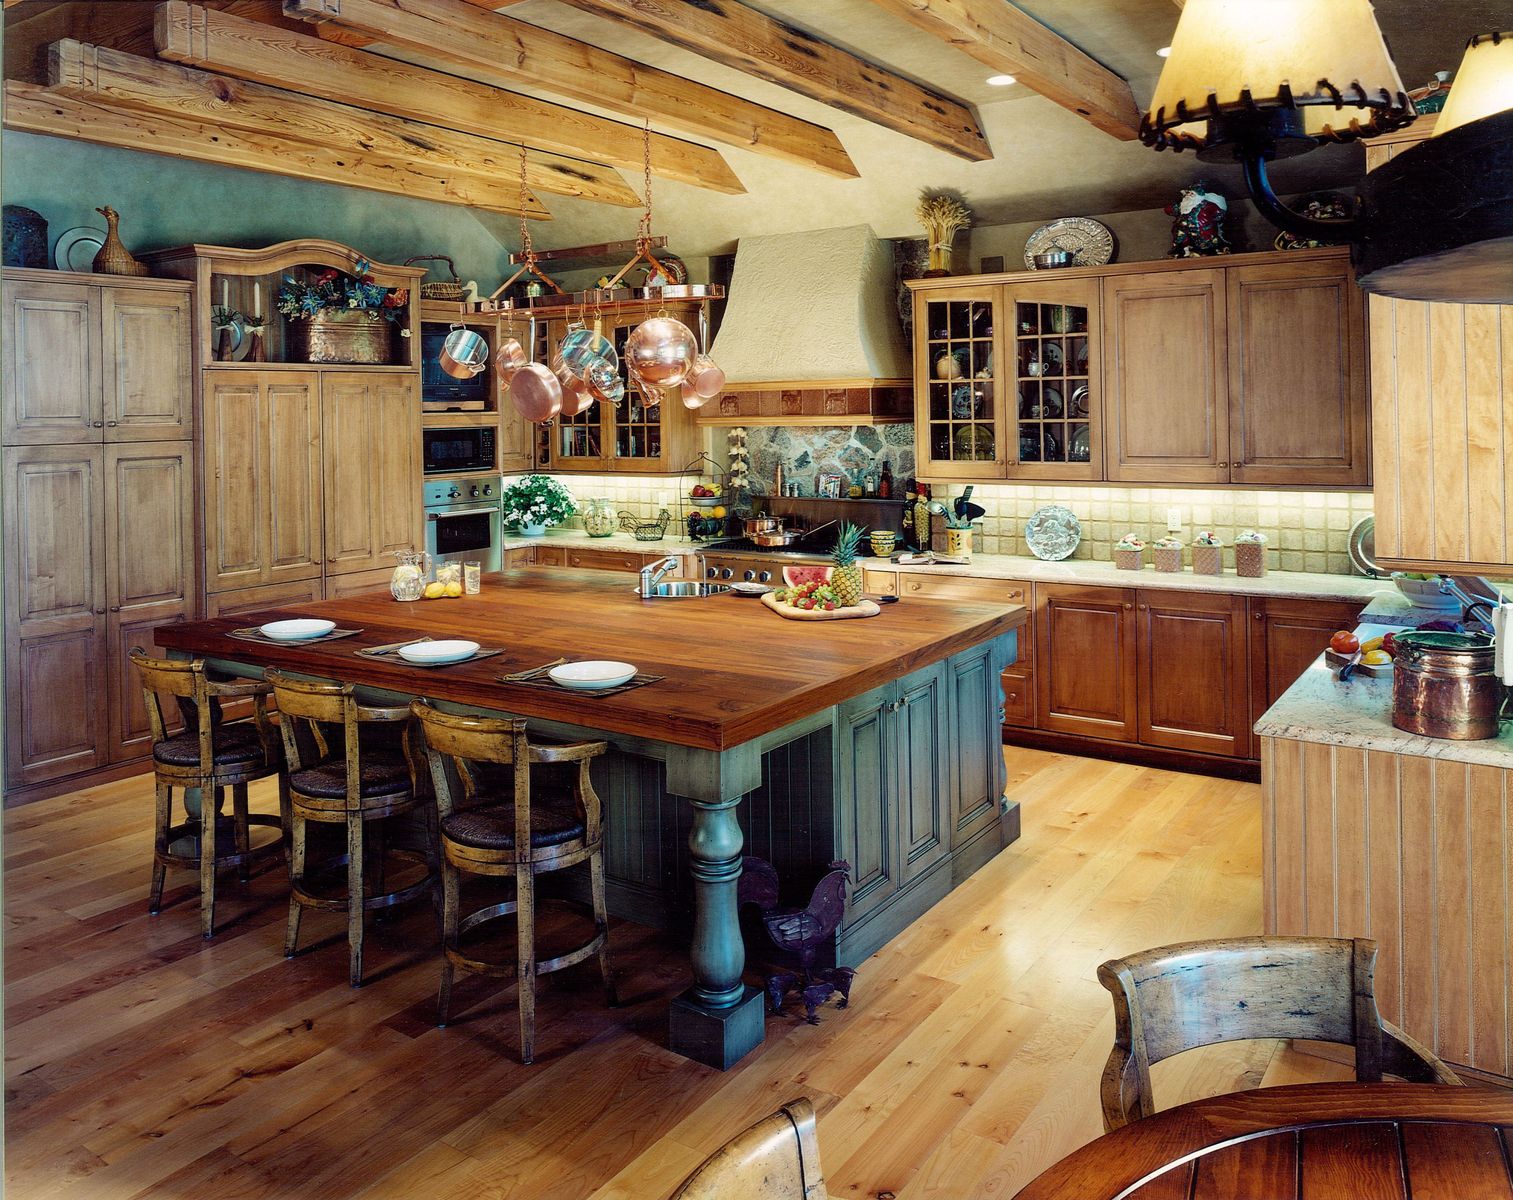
409	579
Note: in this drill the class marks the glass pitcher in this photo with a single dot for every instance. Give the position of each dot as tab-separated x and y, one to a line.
409	579
600	518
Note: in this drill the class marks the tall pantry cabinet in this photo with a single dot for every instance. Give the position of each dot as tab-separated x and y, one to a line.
98	429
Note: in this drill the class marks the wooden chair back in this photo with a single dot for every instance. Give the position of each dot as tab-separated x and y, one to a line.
1181	997
778	1158
456	744
319	716
199	699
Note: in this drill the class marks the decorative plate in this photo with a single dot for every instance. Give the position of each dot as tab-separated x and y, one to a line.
1361	546
1053	533
76	248
1090	242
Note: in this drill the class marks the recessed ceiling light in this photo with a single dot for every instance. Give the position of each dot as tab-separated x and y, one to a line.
1001	80
1164	52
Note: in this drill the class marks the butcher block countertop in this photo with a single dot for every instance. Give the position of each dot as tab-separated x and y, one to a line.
732	669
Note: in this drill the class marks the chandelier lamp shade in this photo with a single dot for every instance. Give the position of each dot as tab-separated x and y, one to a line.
1252	81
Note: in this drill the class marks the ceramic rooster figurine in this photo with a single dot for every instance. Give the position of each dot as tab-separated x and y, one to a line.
800	932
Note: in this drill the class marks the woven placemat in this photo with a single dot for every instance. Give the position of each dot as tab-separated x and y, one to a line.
253	634
537	677
391	654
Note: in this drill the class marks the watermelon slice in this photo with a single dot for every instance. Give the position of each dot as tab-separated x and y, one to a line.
793	576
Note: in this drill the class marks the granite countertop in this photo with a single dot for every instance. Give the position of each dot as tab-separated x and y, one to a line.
1319	708
1382	596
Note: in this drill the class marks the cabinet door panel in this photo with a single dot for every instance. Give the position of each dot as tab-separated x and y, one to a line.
147	378
1165	379
54	716
149	535
924	780
977	699
1191	652
867	800
1085	661
1053	410
962	430
348	441
262	599
236	500
293	472
1297	375
1285	637
397	512
51	348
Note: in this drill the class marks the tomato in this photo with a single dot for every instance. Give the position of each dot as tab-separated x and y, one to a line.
1344	642
1389	644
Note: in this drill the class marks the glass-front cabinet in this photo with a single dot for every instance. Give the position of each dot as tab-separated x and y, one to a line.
1007	381
644	433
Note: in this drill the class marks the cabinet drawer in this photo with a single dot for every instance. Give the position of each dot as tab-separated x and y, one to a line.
1000	591
1018	700
520	556
550	556
880	583
604	560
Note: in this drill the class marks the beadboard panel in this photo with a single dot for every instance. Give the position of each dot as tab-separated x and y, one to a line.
1416	853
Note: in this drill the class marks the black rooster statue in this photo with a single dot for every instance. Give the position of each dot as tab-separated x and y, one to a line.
800	932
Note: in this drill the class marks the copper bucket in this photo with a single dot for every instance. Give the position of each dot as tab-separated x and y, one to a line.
350	336
1444	686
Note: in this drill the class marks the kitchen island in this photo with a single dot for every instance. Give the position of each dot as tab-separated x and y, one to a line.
876	741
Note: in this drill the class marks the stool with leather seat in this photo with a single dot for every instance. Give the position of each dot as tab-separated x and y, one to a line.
348	764
501	813
211	755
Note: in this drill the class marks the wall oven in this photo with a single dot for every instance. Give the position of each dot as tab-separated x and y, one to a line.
463	521
459	449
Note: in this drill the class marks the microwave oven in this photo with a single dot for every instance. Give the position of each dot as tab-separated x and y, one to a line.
456	450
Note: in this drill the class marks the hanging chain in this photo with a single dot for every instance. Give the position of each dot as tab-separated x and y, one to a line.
645	234
526	249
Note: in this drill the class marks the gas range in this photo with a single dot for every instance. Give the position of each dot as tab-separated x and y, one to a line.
800	549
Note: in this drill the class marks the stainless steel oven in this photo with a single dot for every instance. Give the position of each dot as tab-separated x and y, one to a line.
463	521
454	449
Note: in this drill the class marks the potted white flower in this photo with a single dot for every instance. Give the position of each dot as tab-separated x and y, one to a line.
533	502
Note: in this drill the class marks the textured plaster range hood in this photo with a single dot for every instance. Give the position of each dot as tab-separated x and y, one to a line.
811	335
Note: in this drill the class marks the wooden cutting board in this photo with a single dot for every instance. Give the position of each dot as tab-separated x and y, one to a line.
866	608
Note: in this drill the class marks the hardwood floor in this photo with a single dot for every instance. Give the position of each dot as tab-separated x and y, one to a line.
142	1061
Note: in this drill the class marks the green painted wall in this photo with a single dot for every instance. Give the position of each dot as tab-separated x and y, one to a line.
166	201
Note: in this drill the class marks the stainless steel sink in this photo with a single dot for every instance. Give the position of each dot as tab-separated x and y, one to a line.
683	589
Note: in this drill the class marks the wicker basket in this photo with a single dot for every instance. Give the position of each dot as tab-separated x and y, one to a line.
442	290
1250	559
1129	560
1208	560
1168	559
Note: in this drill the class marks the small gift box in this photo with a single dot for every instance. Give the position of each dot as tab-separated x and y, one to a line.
1250	554
1208	554
1168	555
1129	553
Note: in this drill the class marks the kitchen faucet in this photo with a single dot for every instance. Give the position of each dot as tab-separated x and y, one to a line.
654	572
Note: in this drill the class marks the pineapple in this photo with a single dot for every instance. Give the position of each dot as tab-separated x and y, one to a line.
846	572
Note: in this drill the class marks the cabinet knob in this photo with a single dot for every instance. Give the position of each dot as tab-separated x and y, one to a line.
99	612
1260	617
1224	464
1013	695
1143	607
115	608
1128	605
112	424
97	424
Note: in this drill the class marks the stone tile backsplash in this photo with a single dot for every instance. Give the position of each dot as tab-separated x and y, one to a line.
841	449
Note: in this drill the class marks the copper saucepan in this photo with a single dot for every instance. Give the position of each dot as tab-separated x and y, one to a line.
464	353
785	537
536	392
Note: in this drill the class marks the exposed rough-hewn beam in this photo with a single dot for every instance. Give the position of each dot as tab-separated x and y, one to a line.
33	109
198	37
149	85
1002	37
752	42
502	50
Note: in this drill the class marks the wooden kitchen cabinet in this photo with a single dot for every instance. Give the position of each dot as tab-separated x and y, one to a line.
1286	635
962	429
1298	409
1192	689
1086	662
549	556
1054	408
609	560
370	447
95	359
263	478
267	596
1165	383
99	550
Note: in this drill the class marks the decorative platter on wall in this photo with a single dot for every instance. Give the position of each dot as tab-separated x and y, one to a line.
1089	242
1053	533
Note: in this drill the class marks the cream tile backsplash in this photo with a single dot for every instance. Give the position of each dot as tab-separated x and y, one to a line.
642	495
1305	531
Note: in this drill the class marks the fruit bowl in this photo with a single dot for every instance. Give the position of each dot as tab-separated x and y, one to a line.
1424	592
706	501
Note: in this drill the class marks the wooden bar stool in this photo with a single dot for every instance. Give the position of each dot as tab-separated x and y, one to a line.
211	755
501	824
348	764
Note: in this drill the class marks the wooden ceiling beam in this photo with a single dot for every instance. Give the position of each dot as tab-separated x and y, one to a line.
198	37
502	50
33	109
756	44
1008	40
150	85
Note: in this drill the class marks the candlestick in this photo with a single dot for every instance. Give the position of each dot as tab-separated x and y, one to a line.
257	300
225	293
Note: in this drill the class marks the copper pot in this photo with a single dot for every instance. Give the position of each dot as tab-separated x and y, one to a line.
707	379
536	392
1444	686
510	357
661	350
464	353
352	336
605	383
577	396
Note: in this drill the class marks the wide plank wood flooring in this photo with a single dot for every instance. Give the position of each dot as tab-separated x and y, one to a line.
142	1061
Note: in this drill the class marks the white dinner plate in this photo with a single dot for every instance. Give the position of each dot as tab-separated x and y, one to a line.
592	676
435	653
746	587
300	629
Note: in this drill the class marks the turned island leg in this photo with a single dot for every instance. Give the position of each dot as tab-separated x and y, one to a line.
719	1020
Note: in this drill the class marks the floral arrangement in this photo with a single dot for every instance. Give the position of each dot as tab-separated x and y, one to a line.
1131	541
333	289
1208	537
536	500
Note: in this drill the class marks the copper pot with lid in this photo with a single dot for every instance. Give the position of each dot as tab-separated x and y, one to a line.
1444	686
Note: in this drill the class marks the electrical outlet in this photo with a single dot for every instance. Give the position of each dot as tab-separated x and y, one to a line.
663	499
1174	520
